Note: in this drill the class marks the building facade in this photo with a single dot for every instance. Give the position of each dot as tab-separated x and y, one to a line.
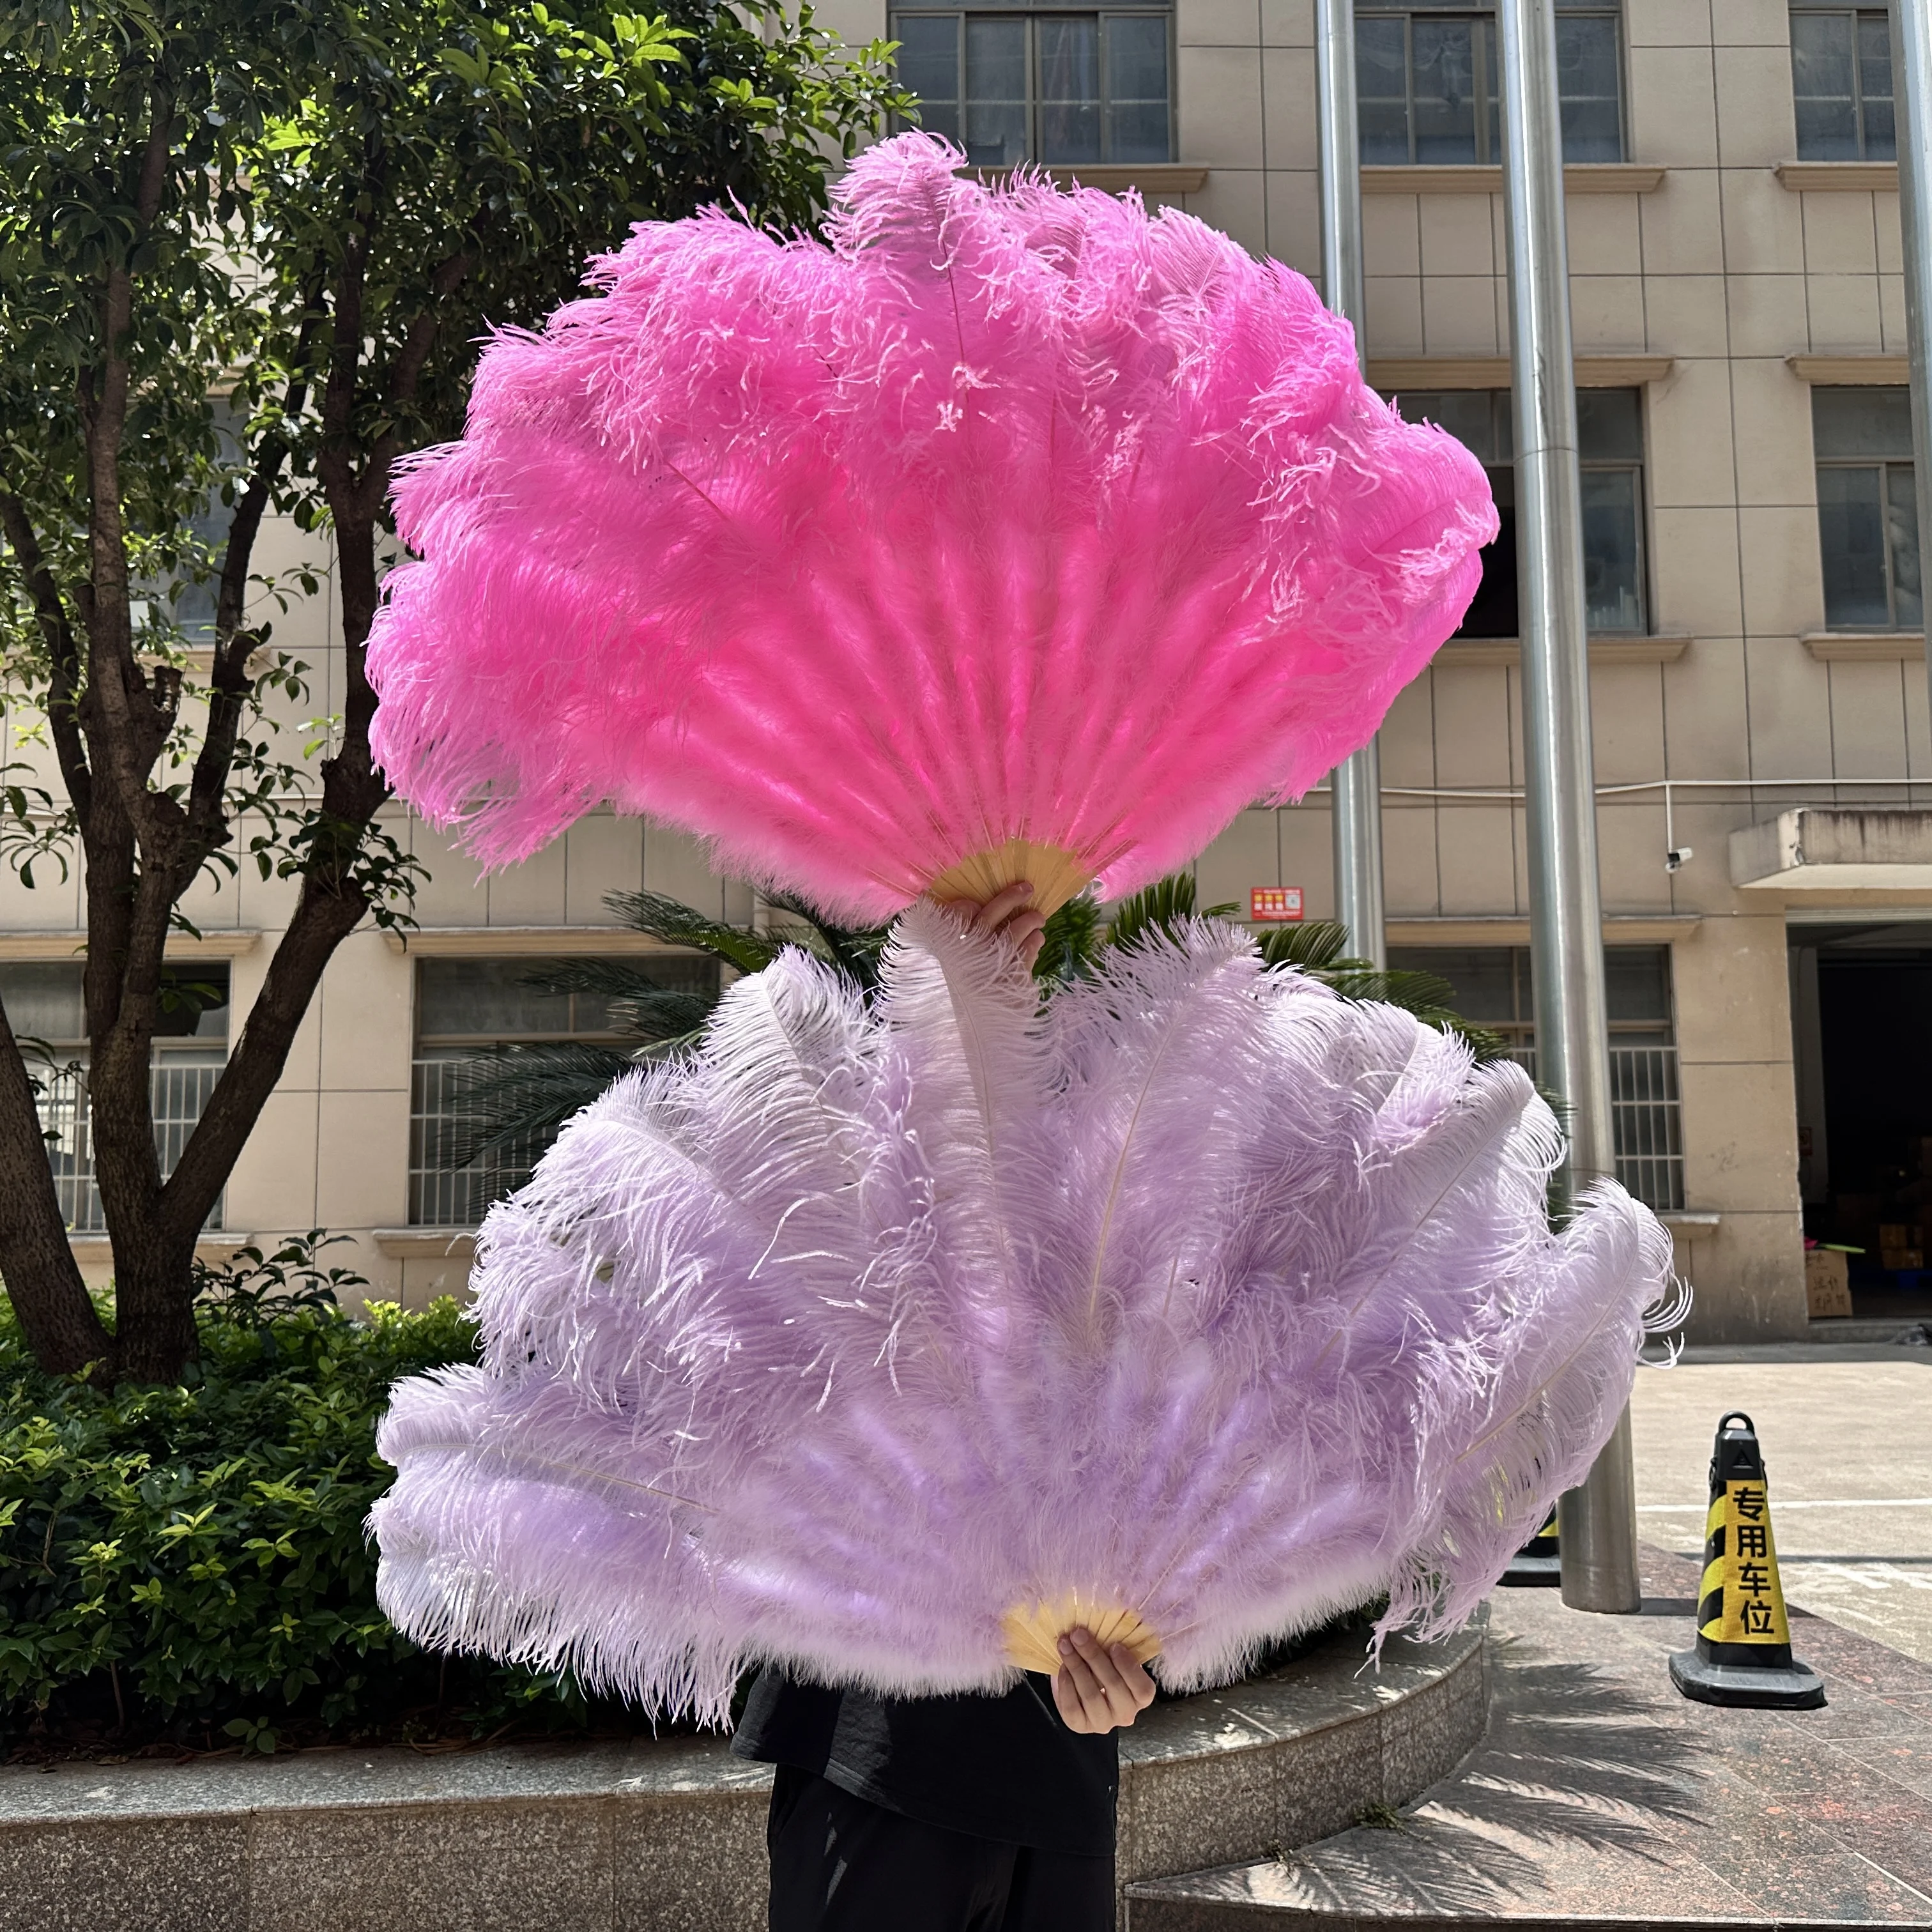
1758	668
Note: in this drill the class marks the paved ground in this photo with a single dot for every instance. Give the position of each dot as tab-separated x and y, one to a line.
1601	1794
1847	1439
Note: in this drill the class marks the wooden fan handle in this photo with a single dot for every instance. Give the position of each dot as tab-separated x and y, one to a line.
1033	1631
1055	875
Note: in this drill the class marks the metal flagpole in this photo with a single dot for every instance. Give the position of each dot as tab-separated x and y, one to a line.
1356	785
1596	1524
1911	92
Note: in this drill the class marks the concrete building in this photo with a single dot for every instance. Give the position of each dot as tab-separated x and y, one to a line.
1758	663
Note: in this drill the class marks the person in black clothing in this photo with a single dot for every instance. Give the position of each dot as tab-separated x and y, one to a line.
946	1814
949	1814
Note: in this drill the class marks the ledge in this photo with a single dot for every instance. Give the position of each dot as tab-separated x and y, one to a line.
522	942
216	1245
228	944
1630	371
667	1834
1602	651
1838	177
1821	848
1116	177
1892	371
1471	178
1865	646
425	1243
1635	929
1690	1221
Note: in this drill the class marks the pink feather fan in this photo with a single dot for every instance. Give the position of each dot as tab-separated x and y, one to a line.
887	1341
1014	533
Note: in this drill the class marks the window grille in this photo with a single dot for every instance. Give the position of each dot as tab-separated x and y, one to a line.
1493	989
466	1010
1841	84
43	1006
1867	508
1056	87
1427	89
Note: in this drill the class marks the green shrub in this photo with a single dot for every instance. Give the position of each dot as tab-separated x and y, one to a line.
190	1561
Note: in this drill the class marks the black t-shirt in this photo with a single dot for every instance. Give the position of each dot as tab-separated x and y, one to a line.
1004	1768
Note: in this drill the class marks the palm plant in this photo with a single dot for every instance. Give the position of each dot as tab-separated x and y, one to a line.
516	1098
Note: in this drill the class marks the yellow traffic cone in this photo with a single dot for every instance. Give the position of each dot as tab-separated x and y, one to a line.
1539	1560
1743	1655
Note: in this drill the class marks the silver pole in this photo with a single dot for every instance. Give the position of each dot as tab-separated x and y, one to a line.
1356	785
1911	92
1596	1524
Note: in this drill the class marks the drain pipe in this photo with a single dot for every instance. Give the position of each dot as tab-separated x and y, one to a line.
1355	785
1596	1524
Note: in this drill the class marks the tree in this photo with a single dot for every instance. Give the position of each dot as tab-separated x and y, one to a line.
246	247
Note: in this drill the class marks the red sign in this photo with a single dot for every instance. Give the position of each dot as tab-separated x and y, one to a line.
1274	904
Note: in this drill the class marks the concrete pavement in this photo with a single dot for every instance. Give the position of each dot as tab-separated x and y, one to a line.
1847	1441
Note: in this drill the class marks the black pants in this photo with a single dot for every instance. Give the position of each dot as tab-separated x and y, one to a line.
841	1864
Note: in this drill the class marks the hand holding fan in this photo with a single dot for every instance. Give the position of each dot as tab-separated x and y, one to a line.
1014	534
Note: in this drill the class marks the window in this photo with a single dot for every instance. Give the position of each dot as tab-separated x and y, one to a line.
1610	433
1867	508
1425	81
43	1006
1841	81
1055	88
1493	989
464	1009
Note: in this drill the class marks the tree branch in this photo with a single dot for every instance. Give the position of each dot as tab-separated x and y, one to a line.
134	725
230	683
323	919
63	651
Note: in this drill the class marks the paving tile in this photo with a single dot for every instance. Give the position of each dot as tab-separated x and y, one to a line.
1825	1885
1599	1794
1896	1839
1781	1758
1904	1760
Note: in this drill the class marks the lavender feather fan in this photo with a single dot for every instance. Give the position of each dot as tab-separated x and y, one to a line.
861	1337
1014	533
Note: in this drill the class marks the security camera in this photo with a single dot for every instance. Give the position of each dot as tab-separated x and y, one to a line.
1674	859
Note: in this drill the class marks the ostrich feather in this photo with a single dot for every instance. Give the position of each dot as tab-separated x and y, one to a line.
1206	1295
1007	514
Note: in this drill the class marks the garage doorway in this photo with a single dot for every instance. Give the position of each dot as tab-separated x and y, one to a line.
1861	1020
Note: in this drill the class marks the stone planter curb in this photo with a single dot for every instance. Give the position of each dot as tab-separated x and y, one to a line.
667	1834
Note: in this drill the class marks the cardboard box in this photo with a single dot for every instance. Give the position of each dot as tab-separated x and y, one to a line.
1828	1285
1901	1258
1896	1234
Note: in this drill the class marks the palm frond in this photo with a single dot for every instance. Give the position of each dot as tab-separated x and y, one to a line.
854	950
515	1098
1071	946
677	924
1314	945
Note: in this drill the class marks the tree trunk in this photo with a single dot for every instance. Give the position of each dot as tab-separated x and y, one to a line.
56	1314
153	1304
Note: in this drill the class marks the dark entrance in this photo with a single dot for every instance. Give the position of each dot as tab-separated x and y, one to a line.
1862	1010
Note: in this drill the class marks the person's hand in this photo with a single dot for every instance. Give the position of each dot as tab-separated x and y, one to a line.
1010	913
1098	1689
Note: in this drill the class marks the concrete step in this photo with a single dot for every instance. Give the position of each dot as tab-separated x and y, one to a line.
1904	1331
1600	1798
